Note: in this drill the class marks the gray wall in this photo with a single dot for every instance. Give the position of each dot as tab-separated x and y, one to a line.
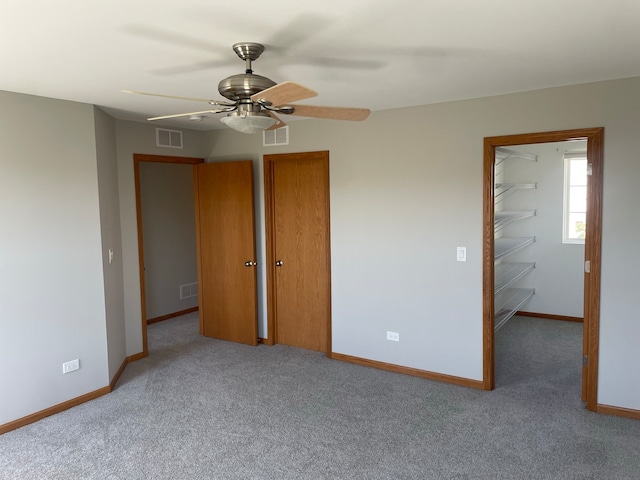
111	236
558	277
406	189
169	233
133	137
52	301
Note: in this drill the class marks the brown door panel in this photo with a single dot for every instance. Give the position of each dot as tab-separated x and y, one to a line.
226	251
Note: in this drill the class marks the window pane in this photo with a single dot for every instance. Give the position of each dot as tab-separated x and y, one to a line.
578	172
575	198
578	199
576	226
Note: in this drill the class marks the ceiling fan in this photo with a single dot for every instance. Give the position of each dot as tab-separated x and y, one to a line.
255	100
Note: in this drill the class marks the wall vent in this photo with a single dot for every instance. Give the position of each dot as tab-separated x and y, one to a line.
168	138
279	136
188	290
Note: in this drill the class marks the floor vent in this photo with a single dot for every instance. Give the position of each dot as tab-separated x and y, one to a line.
279	136
188	290
168	138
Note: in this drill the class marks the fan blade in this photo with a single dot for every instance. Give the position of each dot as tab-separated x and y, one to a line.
187	114
279	121
206	100
332	113
283	93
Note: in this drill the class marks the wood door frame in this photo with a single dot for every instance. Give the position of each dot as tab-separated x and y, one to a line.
137	159
269	200
591	325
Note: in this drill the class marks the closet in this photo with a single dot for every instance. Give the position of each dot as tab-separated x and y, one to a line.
509	297
529	268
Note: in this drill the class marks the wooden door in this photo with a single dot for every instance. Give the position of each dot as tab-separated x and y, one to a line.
225	235
299	292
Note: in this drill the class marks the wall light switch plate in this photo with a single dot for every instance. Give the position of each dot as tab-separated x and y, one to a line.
461	254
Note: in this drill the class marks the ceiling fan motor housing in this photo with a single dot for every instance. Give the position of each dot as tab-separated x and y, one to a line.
237	87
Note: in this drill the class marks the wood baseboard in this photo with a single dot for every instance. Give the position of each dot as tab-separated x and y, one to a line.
34	417
440	377
618	411
61	407
171	315
136	357
550	316
265	341
116	377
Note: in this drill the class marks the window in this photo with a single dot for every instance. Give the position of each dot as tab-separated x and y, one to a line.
575	198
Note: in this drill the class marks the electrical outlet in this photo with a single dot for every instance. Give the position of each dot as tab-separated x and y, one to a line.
70	366
393	336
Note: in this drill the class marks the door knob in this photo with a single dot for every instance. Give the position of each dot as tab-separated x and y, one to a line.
278	263
249	263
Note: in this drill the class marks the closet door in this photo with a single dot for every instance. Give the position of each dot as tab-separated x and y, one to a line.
225	235
297	199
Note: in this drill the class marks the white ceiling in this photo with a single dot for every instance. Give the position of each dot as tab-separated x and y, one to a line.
378	54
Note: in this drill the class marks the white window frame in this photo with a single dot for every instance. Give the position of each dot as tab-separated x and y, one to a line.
568	159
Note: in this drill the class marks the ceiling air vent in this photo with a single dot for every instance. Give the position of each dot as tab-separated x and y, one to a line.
279	136
168	138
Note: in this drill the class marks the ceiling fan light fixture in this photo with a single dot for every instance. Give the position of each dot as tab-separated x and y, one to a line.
248	122
255	100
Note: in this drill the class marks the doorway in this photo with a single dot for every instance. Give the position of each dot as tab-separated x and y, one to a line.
591	309
137	160
298	250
